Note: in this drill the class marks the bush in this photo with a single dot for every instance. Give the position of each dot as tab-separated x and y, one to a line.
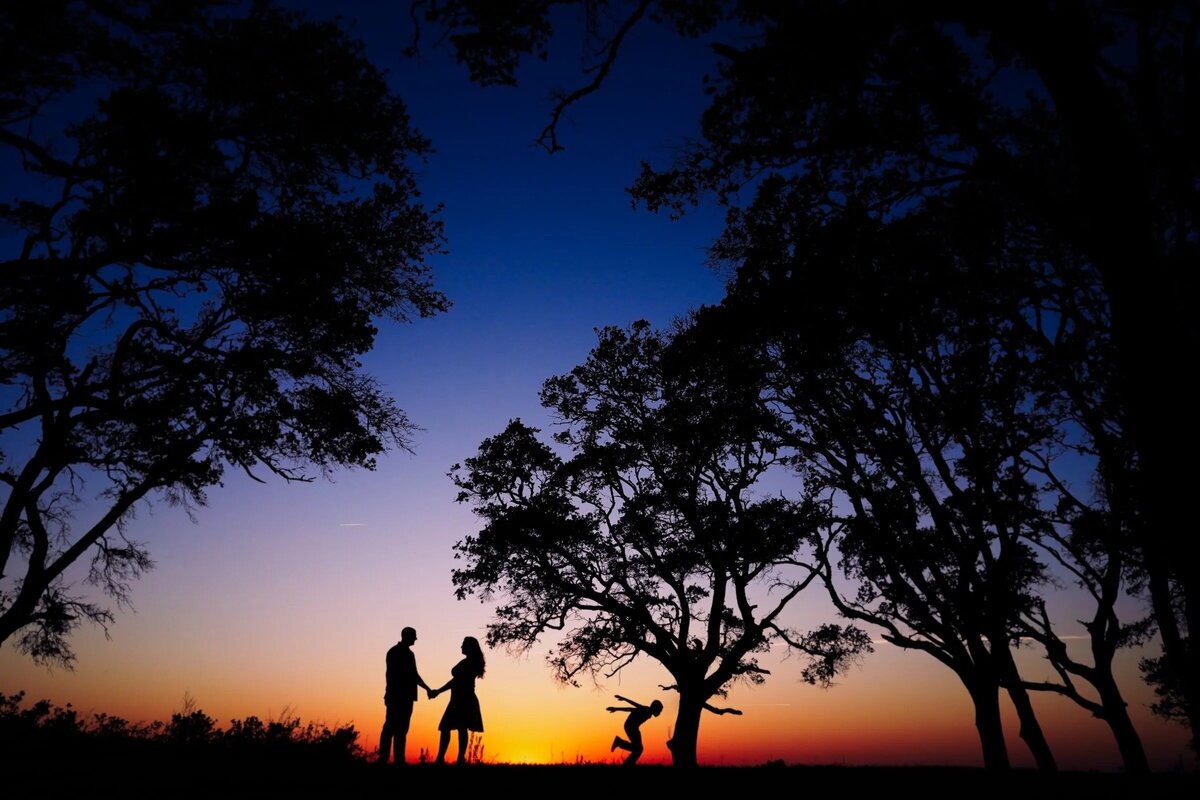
42	728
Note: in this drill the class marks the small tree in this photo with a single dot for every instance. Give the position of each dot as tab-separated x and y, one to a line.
648	539
215	209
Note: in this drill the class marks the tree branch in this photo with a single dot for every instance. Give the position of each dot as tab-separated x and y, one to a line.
548	138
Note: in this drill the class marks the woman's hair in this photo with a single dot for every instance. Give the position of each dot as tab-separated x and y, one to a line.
475	653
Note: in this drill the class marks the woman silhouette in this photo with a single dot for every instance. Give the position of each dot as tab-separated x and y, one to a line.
462	712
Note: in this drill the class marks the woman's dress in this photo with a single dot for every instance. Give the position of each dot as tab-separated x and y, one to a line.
462	712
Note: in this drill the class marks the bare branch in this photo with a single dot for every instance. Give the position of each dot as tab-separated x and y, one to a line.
548	138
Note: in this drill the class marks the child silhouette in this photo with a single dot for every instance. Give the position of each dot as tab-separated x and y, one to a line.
638	714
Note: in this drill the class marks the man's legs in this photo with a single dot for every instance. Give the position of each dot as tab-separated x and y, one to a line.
385	740
400	723
395	732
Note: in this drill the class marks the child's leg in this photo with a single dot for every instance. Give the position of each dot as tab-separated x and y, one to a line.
635	747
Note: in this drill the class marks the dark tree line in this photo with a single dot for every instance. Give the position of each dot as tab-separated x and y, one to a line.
967	268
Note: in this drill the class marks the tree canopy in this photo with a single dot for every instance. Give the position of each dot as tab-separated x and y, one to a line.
651	537
923	382
213	208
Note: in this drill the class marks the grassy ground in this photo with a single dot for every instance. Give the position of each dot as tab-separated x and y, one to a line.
76	777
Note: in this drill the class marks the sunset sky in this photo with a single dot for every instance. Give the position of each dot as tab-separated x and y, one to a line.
284	598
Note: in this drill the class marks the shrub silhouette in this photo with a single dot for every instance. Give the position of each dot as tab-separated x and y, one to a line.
41	727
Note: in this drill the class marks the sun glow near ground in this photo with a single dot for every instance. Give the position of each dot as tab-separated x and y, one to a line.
314	647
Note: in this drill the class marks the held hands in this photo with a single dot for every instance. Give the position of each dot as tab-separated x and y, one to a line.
432	693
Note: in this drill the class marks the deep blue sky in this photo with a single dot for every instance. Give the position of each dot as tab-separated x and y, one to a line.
542	248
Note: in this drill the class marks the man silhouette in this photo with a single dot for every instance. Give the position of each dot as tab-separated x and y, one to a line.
399	695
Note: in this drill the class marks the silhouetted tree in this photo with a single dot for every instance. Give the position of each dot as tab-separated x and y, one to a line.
913	425
925	377
213	209
649	538
1077	117
1093	525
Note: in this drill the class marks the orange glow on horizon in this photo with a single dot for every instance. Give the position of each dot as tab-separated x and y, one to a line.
308	648
883	715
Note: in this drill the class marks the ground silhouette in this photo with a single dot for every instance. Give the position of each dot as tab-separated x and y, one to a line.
54	752
51	777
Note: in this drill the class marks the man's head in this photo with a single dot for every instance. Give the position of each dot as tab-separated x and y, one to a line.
408	635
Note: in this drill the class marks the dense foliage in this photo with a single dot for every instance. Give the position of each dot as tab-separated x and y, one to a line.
653	536
209	210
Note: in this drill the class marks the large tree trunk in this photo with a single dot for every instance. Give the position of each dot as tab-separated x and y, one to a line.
1116	714
1031	730
687	728
1161	431
985	694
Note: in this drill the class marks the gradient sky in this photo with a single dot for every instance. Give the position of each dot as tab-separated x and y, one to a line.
282	599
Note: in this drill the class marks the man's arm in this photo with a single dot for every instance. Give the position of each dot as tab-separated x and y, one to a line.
420	681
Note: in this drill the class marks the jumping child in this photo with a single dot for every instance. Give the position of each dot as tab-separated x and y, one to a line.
638	714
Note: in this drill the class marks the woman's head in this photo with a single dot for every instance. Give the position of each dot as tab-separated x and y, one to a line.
472	650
